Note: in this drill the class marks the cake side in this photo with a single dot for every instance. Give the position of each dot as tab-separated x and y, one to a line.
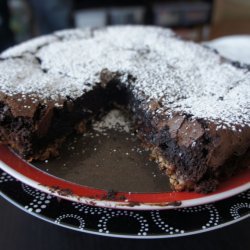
37	129
194	153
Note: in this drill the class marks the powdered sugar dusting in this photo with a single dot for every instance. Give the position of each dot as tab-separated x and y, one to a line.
25	76
29	46
71	34
115	119
182	75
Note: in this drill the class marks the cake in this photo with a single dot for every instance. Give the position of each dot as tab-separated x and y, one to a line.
190	106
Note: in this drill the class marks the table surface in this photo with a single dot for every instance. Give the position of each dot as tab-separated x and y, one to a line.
22	231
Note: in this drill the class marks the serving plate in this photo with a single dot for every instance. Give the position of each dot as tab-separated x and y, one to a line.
124	223
114	186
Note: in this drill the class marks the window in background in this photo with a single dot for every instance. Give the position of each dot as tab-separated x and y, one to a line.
90	18
126	15
190	19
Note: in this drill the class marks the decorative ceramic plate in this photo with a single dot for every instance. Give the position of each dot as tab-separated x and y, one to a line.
124	223
159	196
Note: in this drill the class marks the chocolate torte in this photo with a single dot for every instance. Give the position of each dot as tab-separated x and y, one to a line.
190	106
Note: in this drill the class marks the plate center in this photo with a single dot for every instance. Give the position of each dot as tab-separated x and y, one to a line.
108	157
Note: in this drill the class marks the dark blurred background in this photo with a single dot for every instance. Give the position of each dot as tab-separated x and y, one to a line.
197	20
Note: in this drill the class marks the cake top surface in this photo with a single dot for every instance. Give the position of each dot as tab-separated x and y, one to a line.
181	75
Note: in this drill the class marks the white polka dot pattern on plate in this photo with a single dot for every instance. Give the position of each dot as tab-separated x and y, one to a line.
40	200
245	195
125	223
5	177
104	221
235	209
171	229
90	209
73	216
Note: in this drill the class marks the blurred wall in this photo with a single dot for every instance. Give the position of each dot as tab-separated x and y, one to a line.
230	17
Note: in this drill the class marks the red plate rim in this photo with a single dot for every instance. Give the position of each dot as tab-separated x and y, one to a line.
28	174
